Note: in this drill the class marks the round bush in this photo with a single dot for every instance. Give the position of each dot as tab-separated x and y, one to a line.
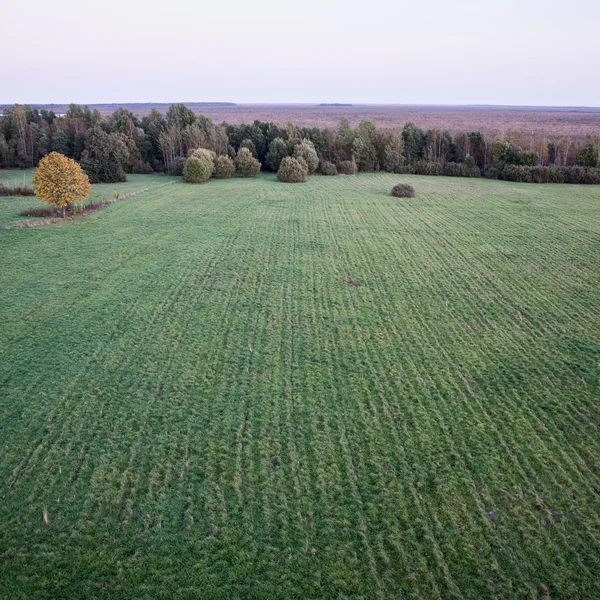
198	169
224	167
306	150
403	190
347	167
204	153
303	164
328	168
292	171
245	164
250	145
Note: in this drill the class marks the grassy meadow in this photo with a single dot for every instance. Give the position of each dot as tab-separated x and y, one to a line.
11	206
246	389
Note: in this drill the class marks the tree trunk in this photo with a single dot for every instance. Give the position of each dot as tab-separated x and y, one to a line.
64	212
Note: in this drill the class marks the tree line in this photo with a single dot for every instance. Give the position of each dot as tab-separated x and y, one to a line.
109	148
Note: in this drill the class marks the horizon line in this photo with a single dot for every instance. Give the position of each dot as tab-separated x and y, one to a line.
225	103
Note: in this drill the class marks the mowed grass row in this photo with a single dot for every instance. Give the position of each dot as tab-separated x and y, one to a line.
254	390
11	206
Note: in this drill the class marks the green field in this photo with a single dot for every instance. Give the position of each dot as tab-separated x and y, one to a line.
11	206
247	389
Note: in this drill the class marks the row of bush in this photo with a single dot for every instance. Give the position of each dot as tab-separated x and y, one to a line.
203	164
517	173
304	161
436	168
546	174
292	162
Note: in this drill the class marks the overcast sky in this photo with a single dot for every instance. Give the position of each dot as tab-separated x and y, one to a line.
534	52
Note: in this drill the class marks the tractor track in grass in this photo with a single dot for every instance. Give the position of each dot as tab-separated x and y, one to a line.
317	391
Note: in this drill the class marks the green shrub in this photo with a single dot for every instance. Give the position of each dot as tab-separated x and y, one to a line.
247	143
204	153
426	167
453	169
328	168
422	167
198	169
347	167
518	173
550	174
224	167
403	190
303	163
306	150
246	165
292	170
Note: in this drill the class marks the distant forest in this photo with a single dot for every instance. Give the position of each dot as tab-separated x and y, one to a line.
121	143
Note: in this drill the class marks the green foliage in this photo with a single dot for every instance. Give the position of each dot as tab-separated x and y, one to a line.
551	174
124	121
104	157
392	150
198	168
364	147
306	151
588	157
507	153
153	125
78	145
245	164
328	168
465	169
259	134
403	190
278	150
61	143
224	167
180	116
4	152
423	167
292	170
438	145
345	139
414	142
204	154
249	144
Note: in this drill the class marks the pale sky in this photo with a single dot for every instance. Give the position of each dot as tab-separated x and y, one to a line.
524	52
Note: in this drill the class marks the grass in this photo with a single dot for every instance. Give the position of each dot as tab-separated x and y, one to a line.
11	206
252	390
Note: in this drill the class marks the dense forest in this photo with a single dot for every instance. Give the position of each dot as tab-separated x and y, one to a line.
109	148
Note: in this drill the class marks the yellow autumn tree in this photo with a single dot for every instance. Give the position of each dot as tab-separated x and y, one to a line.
59	181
